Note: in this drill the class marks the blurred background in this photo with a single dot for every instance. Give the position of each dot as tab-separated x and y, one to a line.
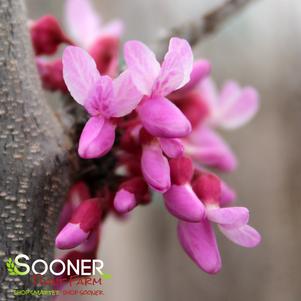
261	46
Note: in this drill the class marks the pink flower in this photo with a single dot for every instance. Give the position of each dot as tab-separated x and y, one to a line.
47	35
205	146
130	193
154	163
159	116
51	74
198	239
180	200
232	107
103	98
84	220
102	42
76	194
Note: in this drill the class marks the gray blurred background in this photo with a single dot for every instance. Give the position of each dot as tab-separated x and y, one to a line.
261	47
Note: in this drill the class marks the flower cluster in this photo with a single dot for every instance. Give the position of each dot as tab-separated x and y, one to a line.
159	119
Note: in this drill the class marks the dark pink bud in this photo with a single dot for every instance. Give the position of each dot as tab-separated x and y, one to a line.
105	53
181	170
88	214
207	186
85	219
194	108
131	193
76	194
47	35
182	202
51	74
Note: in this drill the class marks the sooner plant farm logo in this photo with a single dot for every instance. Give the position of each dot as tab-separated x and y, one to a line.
82	267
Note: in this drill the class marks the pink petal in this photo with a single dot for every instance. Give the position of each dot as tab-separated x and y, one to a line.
82	21
173	148
97	138
210	149
200	69
228	194
199	242
228	216
114	28
182	202
241	111
142	64
244	236
70	236
155	168
209	94
176	67
126	96
100	97
163	119
124	201
79	72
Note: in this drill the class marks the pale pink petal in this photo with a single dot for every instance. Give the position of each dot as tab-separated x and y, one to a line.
155	168
100	97
79	72
126	96
142	64
209	94
70	236
124	201
83	24
172	148
97	138
207	147
163	119
228	216
114	28
228	195
176	67
244	236
241	111
182	202
229	93
200	70
199	242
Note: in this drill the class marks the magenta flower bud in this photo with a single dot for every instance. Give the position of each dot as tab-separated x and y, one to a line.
76	194
163	119
182	202
124	201
131	192
207	186
51	74
199	242
47	35
172	148
85	219
181	170
155	167
105	53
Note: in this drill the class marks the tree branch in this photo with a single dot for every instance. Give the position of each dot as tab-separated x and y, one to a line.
196	30
34	154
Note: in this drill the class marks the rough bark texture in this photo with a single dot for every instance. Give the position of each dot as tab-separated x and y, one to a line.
33	154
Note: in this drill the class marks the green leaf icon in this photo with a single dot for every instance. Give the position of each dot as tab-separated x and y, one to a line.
11	268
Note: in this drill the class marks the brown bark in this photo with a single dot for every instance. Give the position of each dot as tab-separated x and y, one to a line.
33	153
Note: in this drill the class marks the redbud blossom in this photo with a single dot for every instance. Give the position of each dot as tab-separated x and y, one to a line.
84	220
47	35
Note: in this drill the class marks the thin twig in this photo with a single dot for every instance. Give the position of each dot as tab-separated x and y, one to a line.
195	30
